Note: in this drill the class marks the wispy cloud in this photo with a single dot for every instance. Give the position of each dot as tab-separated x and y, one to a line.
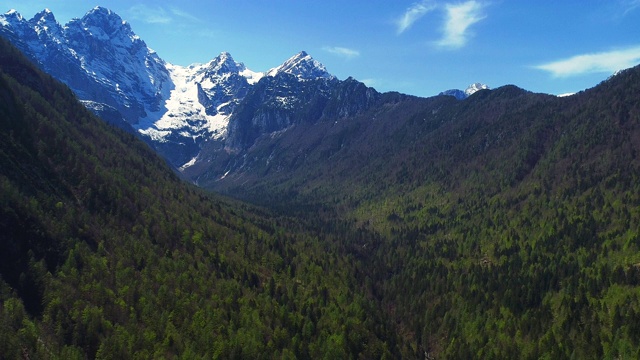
413	13
342	51
602	62
158	14
369	82
183	14
459	17
630	5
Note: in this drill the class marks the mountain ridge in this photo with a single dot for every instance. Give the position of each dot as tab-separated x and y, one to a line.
176	108
181	111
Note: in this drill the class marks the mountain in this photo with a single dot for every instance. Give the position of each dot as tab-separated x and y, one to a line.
508	210
178	110
106	253
198	108
463	94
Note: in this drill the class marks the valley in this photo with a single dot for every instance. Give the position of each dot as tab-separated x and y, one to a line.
290	214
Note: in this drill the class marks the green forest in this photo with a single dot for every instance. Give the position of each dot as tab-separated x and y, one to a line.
106	253
502	226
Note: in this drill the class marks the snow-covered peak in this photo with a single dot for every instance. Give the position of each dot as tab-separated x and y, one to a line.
45	22
303	66
224	63
471	89
16	28
102	24
44	16
101	14
14	14
9	18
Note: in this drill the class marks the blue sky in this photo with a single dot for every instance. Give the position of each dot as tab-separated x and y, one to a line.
415	47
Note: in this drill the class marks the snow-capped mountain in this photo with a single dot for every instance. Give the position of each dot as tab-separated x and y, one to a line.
176	108
303	66
98	56
203	97
113	55
475	87
463	94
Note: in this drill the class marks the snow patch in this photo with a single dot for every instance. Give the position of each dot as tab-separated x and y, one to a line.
182	110
188	163
251	76
155	134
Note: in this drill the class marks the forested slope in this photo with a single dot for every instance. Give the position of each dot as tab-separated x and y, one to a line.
509	221
106	253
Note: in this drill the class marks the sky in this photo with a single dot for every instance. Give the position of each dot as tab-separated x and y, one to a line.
414	47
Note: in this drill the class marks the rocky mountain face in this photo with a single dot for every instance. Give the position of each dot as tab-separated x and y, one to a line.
179	110
98	56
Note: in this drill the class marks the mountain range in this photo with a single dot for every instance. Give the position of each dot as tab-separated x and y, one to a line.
183	112
501	224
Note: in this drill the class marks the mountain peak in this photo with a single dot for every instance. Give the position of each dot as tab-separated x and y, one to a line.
101	14
471	89
226	60
99	10
45	15
105	21
12	14
16	28
303	66
44	18
46	21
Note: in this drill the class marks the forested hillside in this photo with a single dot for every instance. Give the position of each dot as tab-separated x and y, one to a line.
106	253
509	220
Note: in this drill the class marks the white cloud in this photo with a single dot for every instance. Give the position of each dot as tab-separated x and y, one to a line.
603	62
413	13
341	51
158	15
459	18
